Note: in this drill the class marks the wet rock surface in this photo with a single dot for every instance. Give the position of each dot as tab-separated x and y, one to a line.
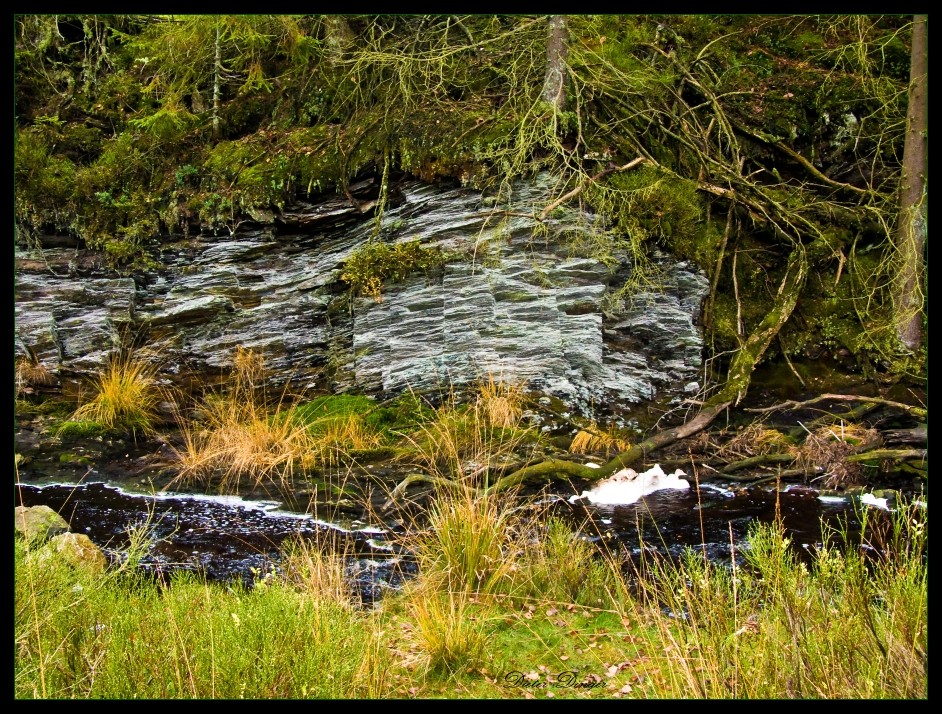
513	300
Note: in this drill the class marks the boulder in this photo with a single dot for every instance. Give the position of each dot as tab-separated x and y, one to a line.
38	522
78	550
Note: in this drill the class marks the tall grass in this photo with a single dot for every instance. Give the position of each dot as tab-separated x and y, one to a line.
239	432
125	396
466	440
851	624
317	569
559	566
501	401
467	540
446	626
81	636
848	626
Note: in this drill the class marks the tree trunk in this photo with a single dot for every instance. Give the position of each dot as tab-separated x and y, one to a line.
217	72
748	356
557	51
913	220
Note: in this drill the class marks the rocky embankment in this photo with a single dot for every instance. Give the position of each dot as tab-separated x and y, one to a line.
514	299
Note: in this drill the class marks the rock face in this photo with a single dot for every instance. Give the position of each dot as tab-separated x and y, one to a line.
515	299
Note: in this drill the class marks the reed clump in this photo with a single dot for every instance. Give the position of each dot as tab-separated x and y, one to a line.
125	397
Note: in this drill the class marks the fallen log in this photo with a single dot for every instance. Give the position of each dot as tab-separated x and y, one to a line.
760	460
890	455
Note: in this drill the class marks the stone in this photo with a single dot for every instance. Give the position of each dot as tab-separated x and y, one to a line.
78	550
38	523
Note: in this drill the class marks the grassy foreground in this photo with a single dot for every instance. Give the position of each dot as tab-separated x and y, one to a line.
504	607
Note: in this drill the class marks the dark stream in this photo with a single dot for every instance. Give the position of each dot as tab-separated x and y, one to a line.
716	520
230	539
223	538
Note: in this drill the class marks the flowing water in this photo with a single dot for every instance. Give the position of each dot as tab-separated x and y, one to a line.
225	539
232	539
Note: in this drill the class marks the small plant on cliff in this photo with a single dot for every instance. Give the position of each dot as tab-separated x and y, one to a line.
375	262
29	372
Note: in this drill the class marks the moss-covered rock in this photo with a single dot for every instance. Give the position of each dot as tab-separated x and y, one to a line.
38	523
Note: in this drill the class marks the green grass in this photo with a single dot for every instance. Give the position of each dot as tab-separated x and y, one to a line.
500	609
85	637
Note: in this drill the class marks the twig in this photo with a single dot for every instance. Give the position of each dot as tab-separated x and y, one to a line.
915	411
759	460
739	328
417	478
708	310
578	189
788	361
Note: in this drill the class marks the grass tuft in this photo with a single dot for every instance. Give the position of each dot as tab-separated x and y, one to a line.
124	397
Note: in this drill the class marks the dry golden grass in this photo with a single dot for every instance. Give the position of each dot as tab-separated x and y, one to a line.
236	434
317	570
30	372
257	447
125	395
501	402
444	632
596	440
239	433
461	442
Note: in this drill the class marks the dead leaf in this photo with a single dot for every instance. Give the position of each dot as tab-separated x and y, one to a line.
552	611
